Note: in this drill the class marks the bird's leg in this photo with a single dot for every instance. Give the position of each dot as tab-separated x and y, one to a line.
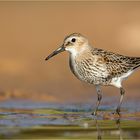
122	92
99	97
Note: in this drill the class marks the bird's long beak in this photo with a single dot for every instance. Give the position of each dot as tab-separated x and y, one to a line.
57	51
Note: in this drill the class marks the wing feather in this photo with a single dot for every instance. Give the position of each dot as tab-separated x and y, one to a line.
117	64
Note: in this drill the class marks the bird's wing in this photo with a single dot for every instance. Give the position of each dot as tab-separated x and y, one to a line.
117	64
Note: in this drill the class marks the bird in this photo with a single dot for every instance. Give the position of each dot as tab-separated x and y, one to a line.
97	66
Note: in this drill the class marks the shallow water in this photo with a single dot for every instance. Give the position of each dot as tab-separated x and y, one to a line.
26	119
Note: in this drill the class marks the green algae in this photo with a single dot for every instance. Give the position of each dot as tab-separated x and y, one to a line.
59	124
108	130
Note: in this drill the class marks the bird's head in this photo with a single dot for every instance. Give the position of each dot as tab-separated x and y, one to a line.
74	43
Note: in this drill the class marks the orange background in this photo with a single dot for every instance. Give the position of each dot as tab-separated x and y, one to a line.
29	31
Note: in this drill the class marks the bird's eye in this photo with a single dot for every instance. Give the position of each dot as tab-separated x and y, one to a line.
73	40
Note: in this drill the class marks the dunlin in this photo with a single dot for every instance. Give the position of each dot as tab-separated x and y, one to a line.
97	66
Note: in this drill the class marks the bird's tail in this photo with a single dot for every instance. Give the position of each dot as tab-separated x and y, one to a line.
136	67
135	62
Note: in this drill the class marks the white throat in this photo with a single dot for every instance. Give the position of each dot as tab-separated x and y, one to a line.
74	51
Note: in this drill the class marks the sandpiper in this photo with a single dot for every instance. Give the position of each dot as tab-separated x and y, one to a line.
97	66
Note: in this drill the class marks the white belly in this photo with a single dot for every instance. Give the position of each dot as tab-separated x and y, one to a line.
117	81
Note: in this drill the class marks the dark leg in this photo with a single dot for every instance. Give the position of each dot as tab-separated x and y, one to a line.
122	92
118	124
98	90
99	135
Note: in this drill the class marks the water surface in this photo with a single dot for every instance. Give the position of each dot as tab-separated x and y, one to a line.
26	119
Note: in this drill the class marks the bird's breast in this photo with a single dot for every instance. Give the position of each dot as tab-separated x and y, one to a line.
74	67
88	70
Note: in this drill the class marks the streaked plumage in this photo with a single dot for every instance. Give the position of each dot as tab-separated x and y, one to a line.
100	67
96	66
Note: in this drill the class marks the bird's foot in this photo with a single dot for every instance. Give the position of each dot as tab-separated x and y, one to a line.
117	112
94	113
94	116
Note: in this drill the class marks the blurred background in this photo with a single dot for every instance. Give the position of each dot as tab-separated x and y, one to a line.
29	31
